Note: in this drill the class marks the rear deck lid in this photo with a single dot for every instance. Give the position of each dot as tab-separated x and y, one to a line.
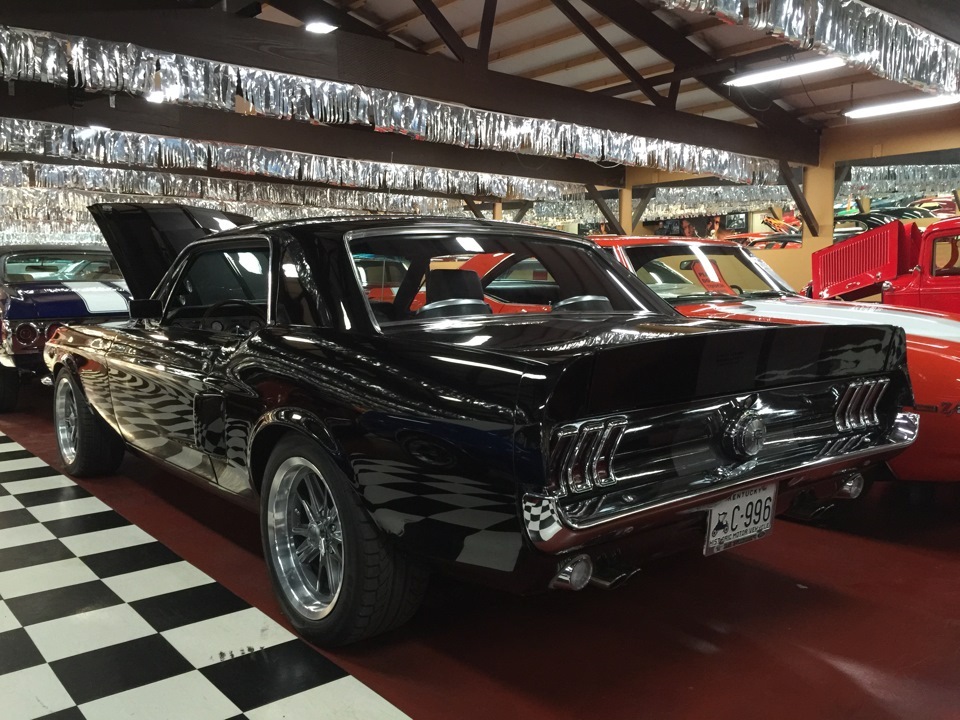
146	239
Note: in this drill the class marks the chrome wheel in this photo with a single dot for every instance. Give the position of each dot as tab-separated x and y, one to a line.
305	537
65	414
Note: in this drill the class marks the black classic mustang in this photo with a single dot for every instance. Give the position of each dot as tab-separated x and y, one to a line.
388	414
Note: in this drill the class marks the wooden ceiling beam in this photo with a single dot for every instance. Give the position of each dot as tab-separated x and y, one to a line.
604	46
350	58
644	25
487	23
504	18
622	48
50	104
400	22
445	30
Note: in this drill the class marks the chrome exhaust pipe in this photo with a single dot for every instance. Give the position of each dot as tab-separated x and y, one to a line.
612	577
851	488
574	574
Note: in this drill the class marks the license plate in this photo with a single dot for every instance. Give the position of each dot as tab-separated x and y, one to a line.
742	517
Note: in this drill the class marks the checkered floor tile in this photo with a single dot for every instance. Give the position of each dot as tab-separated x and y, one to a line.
99	621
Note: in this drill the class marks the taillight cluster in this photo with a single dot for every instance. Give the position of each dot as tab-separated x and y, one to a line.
858	403
582	457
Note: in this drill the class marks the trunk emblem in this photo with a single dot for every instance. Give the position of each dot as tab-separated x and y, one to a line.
744	437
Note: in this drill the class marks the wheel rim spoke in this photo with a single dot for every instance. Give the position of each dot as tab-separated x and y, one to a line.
305	538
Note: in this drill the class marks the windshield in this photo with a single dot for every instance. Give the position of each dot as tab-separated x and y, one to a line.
446	275
46	266
684	271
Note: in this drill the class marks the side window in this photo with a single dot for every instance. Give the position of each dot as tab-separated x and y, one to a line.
946	253
235	279
295	305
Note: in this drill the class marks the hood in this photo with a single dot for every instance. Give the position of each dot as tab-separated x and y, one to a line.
55	300
916	323
146	238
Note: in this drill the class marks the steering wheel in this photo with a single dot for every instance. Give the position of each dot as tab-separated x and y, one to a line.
213	309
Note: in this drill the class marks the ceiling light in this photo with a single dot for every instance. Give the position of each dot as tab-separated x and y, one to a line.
787	70
924	103
154	96
319	27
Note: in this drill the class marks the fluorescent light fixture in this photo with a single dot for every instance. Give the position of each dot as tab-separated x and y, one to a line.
319	27
924	103
154	96
786	70
99	127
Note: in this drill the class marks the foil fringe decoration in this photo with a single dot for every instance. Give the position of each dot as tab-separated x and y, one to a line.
902	179
44	202
669	203
864	36
121	67
114	147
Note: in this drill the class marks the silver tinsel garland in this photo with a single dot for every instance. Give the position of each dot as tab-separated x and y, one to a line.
861	34
121	67
916	179
116	147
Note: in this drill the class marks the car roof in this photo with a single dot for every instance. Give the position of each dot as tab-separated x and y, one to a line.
338	226
625	240
49	247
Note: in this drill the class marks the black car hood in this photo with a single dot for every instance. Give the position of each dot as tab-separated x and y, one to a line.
146	238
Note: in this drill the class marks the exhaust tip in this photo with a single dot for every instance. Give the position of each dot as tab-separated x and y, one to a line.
851	488
574	574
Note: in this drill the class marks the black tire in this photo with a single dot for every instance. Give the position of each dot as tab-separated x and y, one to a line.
87	445
9	389
377	588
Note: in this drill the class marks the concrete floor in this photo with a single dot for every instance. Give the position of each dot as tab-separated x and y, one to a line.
858	618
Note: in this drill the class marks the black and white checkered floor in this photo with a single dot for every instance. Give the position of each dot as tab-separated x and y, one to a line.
99	621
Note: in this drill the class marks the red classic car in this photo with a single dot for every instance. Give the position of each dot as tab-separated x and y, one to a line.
721	280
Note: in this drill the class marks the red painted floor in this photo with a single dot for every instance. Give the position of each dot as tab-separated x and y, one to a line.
858	619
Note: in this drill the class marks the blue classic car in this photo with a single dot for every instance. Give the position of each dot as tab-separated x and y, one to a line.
43	287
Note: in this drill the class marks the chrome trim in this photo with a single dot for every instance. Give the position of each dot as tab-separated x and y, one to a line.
585	442
858	403
569	533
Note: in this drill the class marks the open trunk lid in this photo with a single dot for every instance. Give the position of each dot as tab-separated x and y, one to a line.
146	238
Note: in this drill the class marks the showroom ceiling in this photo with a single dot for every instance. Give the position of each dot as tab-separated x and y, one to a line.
570	88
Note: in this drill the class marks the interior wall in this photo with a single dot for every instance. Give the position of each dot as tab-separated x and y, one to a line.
899	135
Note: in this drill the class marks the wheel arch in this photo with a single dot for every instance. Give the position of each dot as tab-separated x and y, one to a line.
275	425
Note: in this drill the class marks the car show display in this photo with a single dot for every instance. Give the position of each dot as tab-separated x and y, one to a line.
282	367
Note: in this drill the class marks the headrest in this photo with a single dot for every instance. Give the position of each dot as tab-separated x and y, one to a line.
450	284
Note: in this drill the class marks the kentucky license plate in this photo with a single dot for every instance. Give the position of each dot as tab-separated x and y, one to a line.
742	517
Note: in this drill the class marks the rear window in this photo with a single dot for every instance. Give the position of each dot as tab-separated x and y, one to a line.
421	278
46	266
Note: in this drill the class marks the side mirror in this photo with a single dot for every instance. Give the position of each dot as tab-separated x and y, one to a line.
146	309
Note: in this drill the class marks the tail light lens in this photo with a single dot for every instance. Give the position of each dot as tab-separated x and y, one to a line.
583	454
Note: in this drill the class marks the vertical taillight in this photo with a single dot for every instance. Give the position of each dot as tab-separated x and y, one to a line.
583	453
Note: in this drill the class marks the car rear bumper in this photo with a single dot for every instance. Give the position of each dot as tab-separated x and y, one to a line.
553	531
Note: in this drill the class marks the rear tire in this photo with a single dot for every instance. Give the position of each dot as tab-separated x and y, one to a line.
335	575
88	446
9	388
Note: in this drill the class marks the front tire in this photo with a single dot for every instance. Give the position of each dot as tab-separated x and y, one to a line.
9	388
336	577
88	446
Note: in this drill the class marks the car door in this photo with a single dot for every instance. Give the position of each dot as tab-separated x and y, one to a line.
166	376
941	278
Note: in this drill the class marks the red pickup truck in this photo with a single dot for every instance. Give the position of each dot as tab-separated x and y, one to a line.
907	266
